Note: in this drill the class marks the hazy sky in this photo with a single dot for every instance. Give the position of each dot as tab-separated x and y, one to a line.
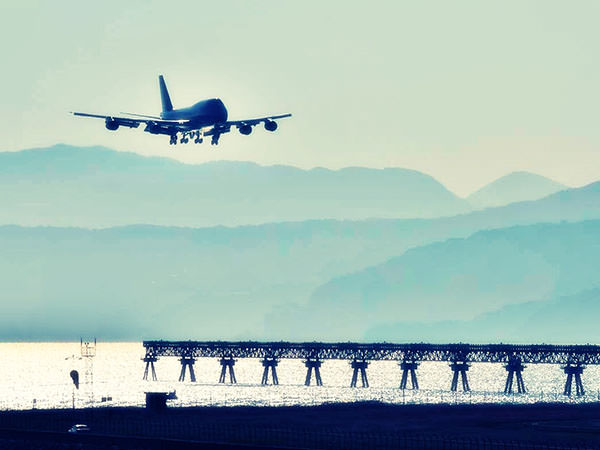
465	91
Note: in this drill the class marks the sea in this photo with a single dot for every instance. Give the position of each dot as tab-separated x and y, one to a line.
37	375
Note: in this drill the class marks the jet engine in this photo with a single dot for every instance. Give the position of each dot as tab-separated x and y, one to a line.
245	129
111	124
270	125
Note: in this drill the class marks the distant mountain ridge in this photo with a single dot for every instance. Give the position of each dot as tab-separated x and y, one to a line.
457	279
97	187
243	282
514	187
305	279
559	320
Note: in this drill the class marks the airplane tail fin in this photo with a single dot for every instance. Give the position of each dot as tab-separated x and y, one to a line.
164	95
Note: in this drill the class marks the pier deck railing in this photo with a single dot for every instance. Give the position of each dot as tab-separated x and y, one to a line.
498	353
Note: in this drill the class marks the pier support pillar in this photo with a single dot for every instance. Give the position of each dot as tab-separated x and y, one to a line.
187	362
310	365
409	369
460	368
515	370
576	371
149	360
272	364
227	363
362	367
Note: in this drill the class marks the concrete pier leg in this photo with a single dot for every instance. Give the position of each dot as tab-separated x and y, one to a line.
515	371
454	383
265	377
308	376
187	362
227	364
460	369
362	367
150	360
520	383
318	376
415	382
465	381
574	371
310	365
579	385
272	364
409	369
509	382
363	375
568	384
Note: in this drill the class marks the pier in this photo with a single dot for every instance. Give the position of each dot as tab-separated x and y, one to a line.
572	358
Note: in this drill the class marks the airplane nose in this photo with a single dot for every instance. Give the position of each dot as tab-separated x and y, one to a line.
223	112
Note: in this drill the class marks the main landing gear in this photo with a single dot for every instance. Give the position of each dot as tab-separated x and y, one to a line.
185	138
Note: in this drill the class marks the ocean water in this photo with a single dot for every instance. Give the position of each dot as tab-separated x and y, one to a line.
36	375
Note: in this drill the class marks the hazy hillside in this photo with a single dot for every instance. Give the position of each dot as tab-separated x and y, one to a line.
569	319
143	281
514	187
458	279
97	187
160	282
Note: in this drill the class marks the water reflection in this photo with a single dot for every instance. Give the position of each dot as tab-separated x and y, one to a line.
38	375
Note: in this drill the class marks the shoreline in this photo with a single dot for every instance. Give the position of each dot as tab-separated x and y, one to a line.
334	425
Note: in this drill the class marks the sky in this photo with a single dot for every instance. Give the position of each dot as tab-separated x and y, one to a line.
465	91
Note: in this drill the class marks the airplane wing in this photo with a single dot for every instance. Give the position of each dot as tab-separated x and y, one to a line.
252	122
244	126
154	126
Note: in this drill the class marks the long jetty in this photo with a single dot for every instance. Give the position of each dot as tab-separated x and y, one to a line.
572	358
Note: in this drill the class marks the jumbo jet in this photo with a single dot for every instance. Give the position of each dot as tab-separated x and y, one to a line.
205	118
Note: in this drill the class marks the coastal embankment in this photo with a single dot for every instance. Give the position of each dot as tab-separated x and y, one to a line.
332	426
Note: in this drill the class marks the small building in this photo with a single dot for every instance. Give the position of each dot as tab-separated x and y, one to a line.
157	401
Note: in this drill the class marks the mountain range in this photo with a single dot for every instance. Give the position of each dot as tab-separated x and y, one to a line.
96	188
559	320
311	278
459	279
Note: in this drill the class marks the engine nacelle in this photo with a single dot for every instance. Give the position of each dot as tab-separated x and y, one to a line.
112	124
245	129
270	125
152	128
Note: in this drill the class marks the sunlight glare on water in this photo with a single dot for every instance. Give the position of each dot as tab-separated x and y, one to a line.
36	375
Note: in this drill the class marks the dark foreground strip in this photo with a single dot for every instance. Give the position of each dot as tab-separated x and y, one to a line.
96	440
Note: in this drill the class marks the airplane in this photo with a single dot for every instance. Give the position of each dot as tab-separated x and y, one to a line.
205	118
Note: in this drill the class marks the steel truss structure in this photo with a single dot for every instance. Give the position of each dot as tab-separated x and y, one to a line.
495	353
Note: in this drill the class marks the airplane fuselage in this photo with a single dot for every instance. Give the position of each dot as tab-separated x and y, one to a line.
202	114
